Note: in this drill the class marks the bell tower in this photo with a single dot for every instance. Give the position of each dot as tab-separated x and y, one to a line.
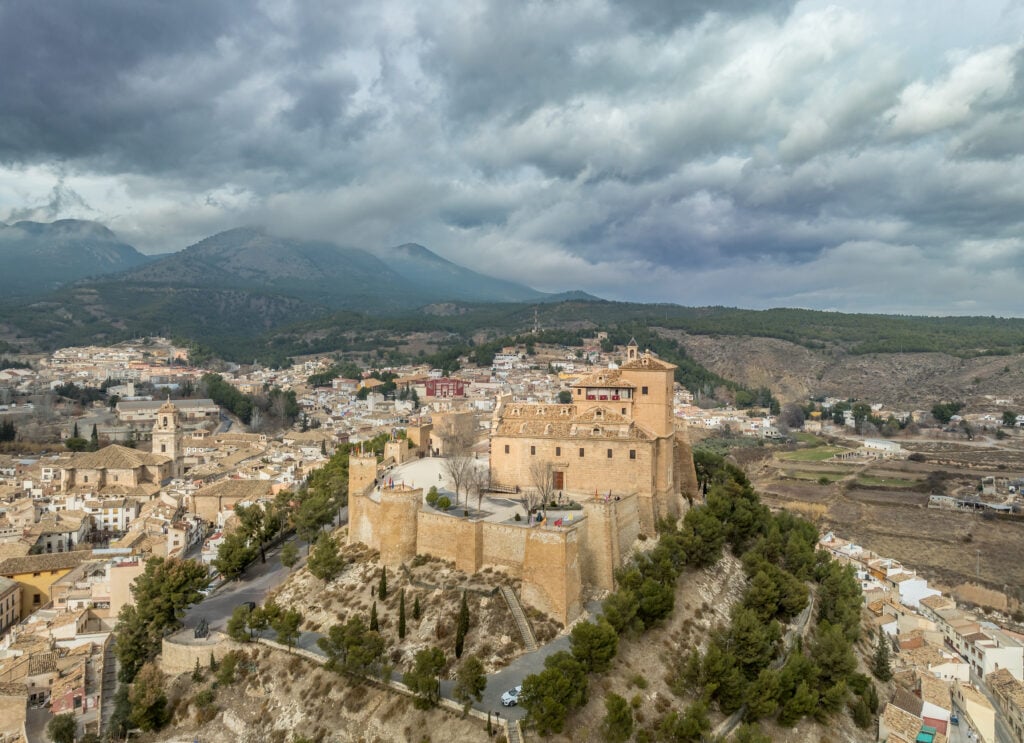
167	436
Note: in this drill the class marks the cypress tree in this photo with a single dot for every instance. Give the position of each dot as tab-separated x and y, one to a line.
74	433
374	626
382	590
401	616
464	614
881	667
416	607
463	627
94	439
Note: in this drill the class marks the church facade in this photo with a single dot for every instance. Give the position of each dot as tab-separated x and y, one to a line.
117	470
616	438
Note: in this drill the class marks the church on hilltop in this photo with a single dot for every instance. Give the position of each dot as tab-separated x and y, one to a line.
614	450
616	438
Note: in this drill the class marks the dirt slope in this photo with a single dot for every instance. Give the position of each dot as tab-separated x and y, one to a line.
904	381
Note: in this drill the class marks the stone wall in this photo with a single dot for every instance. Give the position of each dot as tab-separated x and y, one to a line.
397	524
504	546
686	472
451	538
362	471
610	529
181	650
363	518
551	572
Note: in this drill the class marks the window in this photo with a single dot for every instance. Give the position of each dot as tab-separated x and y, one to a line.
609	453
533	450
632	453
506	448
85	478
623	411
558	451
581	451
643	390
163	448
36	599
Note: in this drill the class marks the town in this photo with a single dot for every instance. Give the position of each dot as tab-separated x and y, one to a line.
119	455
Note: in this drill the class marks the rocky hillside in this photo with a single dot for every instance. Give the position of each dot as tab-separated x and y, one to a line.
903	380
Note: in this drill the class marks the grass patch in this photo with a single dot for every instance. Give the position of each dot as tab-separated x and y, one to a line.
808	438
885	482
817	454
816	476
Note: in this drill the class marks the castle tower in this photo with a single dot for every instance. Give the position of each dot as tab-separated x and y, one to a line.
167	436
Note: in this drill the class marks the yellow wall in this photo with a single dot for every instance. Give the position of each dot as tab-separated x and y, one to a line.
32	584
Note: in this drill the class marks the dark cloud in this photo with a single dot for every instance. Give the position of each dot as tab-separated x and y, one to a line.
640	149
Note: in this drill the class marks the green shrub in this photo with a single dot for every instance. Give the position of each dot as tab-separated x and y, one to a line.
444	503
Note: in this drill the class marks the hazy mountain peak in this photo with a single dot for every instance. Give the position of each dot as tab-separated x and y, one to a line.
49	254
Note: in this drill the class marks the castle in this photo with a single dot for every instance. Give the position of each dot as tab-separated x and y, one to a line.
614	449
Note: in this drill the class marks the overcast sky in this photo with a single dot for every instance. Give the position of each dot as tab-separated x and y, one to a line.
859	156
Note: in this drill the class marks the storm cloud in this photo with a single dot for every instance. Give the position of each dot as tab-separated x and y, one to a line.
862	156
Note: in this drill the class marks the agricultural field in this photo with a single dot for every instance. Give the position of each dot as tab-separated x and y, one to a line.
883	505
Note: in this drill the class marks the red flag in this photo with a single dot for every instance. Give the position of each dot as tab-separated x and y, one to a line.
558	522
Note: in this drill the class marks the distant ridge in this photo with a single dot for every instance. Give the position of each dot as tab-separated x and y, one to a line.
451	281
45	256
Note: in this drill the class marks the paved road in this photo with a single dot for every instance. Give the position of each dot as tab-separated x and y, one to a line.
1003	734
252	586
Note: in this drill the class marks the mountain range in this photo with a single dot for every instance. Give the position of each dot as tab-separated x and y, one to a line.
252	259
75	280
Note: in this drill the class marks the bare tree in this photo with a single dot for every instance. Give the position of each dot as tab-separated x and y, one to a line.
256	420
458	448
543	485
479	481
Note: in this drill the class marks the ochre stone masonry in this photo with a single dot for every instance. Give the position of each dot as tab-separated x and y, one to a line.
614	449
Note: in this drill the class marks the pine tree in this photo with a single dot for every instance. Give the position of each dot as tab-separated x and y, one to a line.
881	667
401	616
382	590
374	625
416	607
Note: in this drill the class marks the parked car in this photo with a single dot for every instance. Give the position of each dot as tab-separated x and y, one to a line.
511	697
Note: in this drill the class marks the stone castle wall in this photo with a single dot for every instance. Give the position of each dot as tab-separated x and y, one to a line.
397	524
504	546
547	560
551	572
611	528
686	472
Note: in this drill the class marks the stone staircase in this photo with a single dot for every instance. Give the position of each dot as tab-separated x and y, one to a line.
520	619
513	731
